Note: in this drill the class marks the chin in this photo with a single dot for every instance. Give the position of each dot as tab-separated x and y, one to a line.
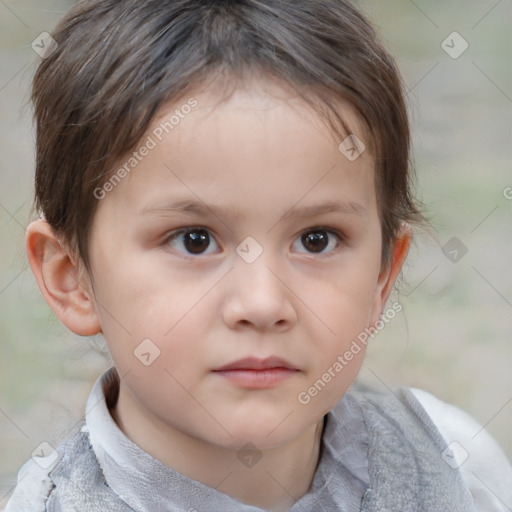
265	433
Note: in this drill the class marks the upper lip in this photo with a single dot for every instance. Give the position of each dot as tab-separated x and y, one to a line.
254	363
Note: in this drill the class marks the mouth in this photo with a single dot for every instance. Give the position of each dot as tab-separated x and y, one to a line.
254	373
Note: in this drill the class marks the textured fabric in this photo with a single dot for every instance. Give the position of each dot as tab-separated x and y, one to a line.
148	485
482	462
79	483
379	453
403	437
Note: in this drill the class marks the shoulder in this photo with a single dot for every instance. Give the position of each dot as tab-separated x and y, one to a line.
34	485
35	489
471	449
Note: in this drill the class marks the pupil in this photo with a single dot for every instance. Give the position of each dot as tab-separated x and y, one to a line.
197	241
315	241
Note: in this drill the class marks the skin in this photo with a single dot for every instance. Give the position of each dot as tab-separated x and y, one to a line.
263	156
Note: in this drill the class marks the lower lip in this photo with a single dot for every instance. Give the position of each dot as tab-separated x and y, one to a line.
257	379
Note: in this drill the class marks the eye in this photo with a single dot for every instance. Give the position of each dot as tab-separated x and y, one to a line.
192	241
318	240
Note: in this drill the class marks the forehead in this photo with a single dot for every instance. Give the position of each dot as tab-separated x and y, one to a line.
266	99
260	145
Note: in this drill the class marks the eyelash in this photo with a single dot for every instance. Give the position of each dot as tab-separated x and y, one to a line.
332	232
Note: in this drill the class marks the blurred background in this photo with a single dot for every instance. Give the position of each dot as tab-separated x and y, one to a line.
454	335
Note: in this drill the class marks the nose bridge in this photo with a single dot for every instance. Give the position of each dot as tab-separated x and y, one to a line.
257	296
254	275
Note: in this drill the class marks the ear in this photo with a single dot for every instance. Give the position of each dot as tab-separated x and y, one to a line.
390	271
58	277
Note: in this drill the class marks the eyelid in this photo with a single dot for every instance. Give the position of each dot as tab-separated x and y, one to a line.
340	236
187	229
335	231
332	231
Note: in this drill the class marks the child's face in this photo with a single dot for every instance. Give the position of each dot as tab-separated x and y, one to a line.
255	166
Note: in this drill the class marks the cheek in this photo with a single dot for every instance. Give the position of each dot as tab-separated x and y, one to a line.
344	300
341	348
149	306
343	307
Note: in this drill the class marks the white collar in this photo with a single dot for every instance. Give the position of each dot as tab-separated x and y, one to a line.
146	484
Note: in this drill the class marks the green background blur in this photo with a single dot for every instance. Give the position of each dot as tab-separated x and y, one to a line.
453	338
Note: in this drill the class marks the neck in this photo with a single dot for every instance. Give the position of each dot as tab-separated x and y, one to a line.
274	482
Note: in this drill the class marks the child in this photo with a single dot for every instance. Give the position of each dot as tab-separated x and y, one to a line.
272	138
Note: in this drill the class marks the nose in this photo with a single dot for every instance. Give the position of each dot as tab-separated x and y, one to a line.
258	299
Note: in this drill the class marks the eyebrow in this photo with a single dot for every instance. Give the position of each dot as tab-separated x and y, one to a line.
184	206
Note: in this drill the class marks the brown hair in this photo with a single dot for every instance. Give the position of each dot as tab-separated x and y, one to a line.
118	61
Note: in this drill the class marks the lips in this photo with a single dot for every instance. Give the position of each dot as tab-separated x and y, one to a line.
253	363
253	373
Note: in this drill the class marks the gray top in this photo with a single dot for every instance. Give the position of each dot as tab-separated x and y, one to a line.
379	452
146	484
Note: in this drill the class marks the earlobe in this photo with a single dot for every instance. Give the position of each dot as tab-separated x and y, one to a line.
57	275
391	270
